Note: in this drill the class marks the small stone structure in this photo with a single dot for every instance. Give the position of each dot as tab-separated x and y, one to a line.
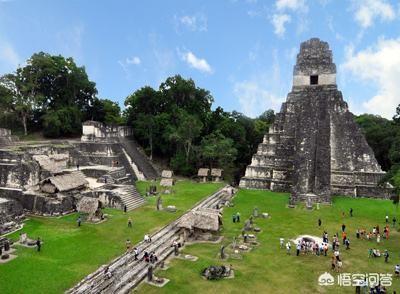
94	130
314	147
203	174
167	180
216	174
198	224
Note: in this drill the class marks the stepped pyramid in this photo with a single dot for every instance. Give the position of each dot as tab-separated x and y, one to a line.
315	149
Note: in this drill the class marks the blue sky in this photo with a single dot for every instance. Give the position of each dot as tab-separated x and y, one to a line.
242	51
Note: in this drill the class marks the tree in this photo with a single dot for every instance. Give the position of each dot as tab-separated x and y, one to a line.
218	150
106	111
18	94
187	130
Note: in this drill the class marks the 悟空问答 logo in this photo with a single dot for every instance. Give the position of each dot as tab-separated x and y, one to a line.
326	279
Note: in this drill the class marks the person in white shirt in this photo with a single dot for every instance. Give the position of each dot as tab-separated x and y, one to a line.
281	240
288	246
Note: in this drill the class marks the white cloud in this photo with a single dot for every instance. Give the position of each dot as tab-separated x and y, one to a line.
254	98
366	11
196	22
134	60
378	65
9	58
279	21
195	62
294	5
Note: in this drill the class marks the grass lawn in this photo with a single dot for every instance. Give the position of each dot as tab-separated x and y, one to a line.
69	253
267	268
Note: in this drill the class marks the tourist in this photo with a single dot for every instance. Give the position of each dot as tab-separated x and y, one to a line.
344	237
281	241
147	238
378	238
288	247
79	221
333	263
347	243
387	219
129	222
77	166
234	218
238	217
370	253
339	265
298	248
38	244
326	249
397	270
351	212
146	257
343	227
128	245
135	253
358	233
394	221
319	222
386	255
125	208
376	253
336	253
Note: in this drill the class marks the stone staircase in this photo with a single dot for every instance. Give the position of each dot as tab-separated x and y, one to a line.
130	197
142	162
125	273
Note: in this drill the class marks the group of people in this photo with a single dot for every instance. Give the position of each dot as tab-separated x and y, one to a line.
375	233
149	257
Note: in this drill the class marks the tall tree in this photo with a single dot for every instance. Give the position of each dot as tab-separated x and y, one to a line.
18	94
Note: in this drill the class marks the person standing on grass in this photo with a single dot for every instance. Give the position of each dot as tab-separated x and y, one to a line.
128	245
319	222
397	270
125	208
298	248
387	219
234	218
386	255
347	243
129	222
351	212
343	227
79	221
38	244
281	240
238	217
288	246
378	238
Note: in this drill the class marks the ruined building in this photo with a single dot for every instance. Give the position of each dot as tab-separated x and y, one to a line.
315	149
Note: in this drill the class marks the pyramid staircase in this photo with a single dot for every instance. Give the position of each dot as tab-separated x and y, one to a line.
142	162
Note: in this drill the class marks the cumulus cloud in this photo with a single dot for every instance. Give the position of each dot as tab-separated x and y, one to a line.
196	22
367	11
378	65
9	58
294	5
195	62
279	22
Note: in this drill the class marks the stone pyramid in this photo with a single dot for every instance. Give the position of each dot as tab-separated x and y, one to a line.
315	149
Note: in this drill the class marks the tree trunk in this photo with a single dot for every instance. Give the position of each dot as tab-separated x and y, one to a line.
24	124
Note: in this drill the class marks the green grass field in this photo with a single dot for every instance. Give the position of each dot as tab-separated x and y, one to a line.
267	268
70	253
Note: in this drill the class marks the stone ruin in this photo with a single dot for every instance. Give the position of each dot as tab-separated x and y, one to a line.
6	138
50	178
315	149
